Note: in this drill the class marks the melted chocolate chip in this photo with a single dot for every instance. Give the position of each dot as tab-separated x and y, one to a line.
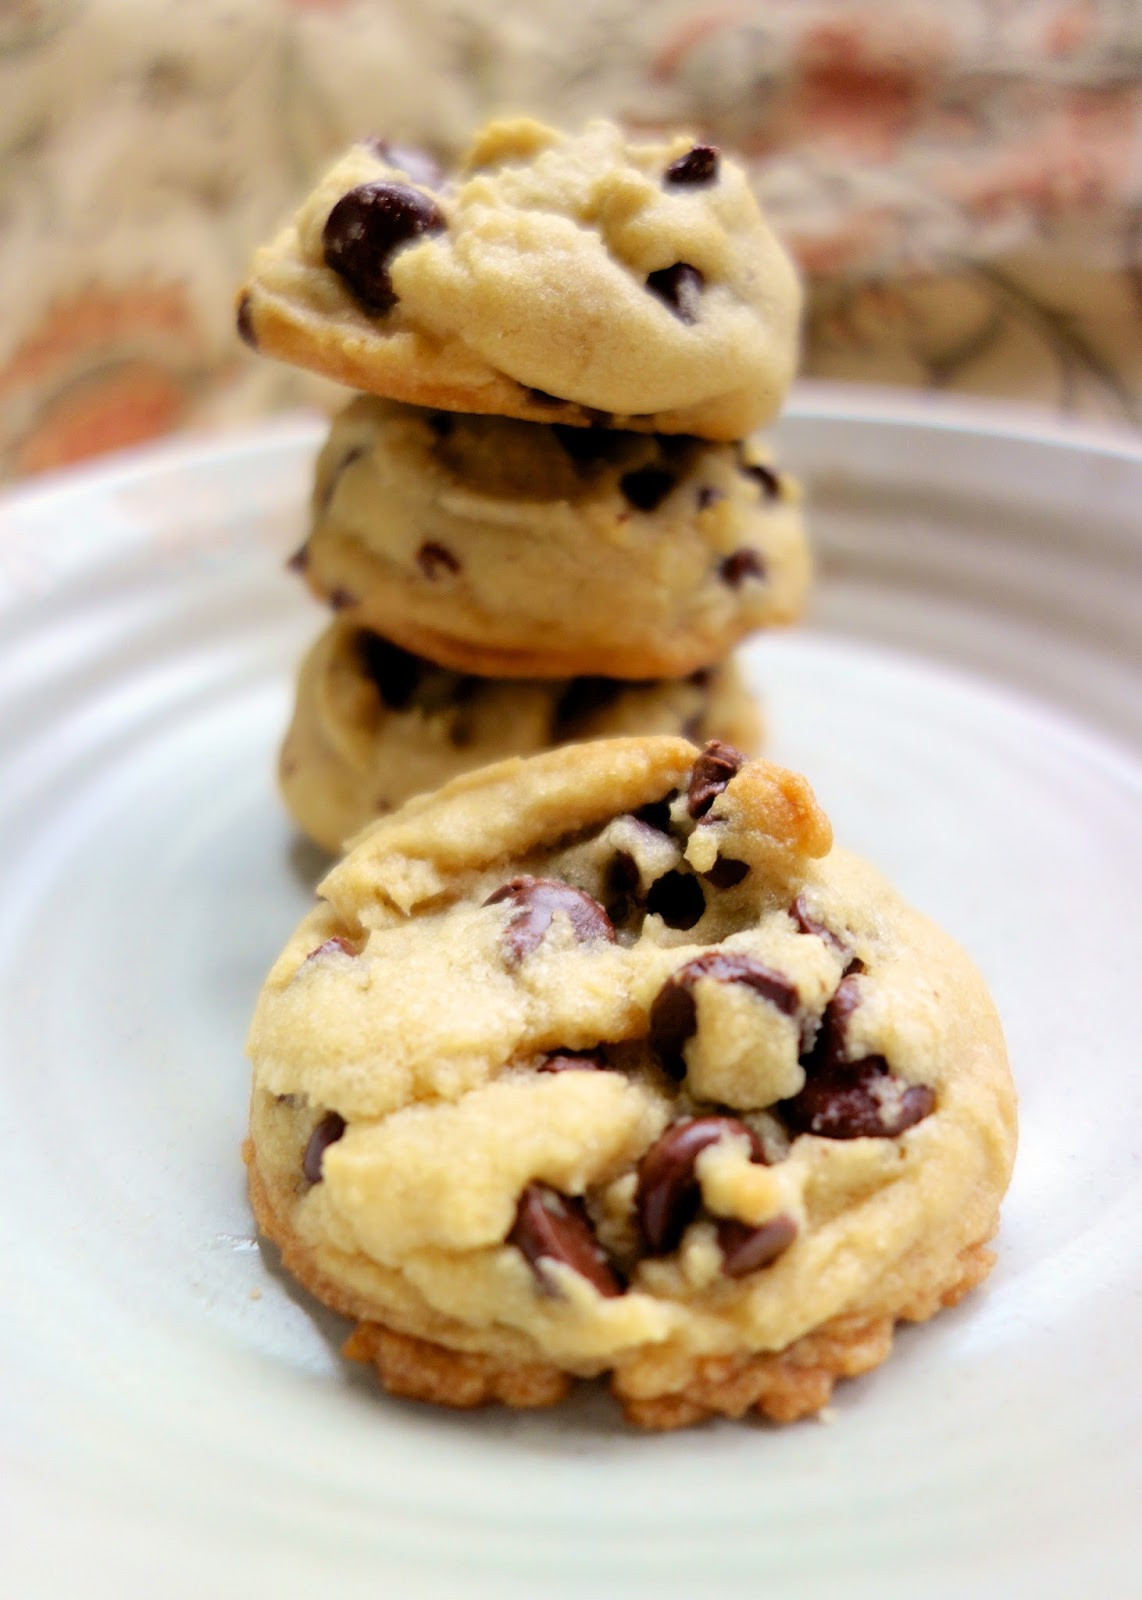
709	496
712	772
623	886
667	1197
858	1100
340	599
726	873
337	943
680	288
537	900
832	1044
677	898
366	227
550	1226
742	564
327	1132
674	1013
697	166
395	672
245	323
580	699
415	163
586	446
806	923
656	814
299	561
765	476
745	1249
434	559
647	487
572	1061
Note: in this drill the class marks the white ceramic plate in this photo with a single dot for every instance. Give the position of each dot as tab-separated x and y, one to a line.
175	1421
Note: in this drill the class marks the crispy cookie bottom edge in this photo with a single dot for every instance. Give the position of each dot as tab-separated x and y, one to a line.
781	1386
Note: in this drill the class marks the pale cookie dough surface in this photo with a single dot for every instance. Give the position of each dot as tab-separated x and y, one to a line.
552	278
513	549
607	1061
373	725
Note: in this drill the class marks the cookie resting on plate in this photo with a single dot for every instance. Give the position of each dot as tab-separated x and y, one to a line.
579	279
373	725
513	549
605	1061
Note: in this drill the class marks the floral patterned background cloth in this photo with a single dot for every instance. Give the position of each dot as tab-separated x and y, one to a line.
961	180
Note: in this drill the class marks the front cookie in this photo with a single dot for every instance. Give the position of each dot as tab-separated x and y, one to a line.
373	725
606	1061
554	278
515	550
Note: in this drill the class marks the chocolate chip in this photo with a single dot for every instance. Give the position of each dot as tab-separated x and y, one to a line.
675	446
745	1249
709	496
299	561
647	487
415	163
340	599
623	886
433	559
726	872
857	1100
327	1132
580	699
572	1061
831	1046
680	288
364	229
712	772
328	948
677	898
537	901
585	446
656	814
697	166
674	1013
245	323
668	1194
742	564
550	1226
395	672
806	923
766	477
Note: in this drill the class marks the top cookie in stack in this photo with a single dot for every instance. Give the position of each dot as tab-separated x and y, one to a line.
563	349
556	279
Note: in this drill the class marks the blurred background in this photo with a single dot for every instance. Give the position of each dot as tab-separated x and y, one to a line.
960	180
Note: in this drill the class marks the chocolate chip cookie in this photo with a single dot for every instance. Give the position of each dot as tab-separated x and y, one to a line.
558	279
606	1061
517	549
373	724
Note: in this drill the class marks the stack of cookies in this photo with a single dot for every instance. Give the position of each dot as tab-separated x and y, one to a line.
544	518
604	1062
